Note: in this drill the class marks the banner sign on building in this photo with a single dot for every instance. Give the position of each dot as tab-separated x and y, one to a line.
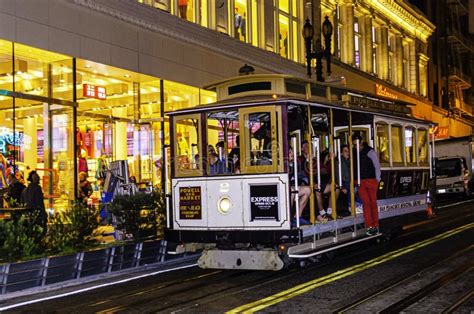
93	91
264	202
190	202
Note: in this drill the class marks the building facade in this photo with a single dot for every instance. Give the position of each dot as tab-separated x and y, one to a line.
86	82
452	61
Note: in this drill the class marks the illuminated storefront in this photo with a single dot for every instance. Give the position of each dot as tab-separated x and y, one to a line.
62	116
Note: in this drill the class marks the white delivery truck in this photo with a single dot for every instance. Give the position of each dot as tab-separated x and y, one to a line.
454	166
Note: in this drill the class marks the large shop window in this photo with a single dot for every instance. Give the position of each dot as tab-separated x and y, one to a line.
187	135
383	143
423	147
397	145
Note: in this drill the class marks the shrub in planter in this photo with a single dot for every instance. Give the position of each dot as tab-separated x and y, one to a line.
21	237
140	215
72	229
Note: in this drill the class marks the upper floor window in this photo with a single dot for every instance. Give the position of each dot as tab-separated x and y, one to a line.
406	66
357	42
240	20
288	12
374	49
391	59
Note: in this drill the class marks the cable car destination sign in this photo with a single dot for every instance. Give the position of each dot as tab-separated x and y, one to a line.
190	202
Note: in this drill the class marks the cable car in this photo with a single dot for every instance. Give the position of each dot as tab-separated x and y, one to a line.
232	188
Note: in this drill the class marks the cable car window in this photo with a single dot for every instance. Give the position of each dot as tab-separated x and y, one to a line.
397	145
223	151
410	150
187	155
383	143
258	140
422	146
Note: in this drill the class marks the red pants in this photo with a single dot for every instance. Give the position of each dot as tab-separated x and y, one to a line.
368	195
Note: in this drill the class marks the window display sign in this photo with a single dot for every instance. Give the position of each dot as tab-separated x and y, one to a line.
15	139
93	91
264	202
190	202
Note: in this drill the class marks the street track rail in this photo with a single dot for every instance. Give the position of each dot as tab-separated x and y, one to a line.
428	289
418	294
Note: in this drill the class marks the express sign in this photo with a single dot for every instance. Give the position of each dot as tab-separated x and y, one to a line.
93	91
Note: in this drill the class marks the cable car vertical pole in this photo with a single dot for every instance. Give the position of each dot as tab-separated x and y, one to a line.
332	156
309	133
339	161
351	173
295	173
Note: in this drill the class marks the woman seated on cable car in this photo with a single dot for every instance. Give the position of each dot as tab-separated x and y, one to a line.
325	176
304	190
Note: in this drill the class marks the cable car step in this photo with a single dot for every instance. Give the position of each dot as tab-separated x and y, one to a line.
310	249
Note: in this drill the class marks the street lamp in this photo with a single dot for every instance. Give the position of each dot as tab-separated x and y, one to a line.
318	53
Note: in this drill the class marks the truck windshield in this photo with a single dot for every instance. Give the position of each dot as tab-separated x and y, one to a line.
447	168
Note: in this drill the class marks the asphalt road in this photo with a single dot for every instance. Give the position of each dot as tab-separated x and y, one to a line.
427	268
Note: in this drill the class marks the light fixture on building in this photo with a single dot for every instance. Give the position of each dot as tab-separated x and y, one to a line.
246	70
318	53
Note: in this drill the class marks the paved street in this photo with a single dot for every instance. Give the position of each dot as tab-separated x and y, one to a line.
427	268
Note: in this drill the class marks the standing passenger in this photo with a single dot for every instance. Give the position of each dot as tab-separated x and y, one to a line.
369	183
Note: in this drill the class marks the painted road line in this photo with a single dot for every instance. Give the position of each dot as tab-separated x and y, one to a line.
9	307
313	284
454	204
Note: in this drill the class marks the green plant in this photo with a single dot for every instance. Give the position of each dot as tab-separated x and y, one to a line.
84	221
58	238
140	215
73	228
21	237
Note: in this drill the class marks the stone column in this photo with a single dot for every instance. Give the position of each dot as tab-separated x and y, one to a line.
269	21
423	74
398	68
365	25
347	40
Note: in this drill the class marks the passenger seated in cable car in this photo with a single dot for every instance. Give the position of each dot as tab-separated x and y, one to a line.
304	190
234	157
346	178
216	164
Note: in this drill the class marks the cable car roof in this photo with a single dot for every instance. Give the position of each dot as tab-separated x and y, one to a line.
265	89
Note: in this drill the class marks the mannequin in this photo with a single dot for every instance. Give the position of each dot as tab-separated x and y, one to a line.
183	8
82	162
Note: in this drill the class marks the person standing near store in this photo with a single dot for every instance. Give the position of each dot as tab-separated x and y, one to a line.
33	198
369	182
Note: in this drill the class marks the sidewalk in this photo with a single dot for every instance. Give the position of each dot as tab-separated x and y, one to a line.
94	282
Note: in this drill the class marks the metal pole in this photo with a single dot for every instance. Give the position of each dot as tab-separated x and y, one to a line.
295	173
338	141
74	125
358	161
164	176
165	165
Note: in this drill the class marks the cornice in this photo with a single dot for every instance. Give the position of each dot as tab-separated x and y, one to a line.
399	13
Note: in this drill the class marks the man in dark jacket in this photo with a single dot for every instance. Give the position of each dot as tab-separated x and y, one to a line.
32	197
15	188
369	183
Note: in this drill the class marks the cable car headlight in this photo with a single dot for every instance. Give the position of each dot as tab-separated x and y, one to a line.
224	205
